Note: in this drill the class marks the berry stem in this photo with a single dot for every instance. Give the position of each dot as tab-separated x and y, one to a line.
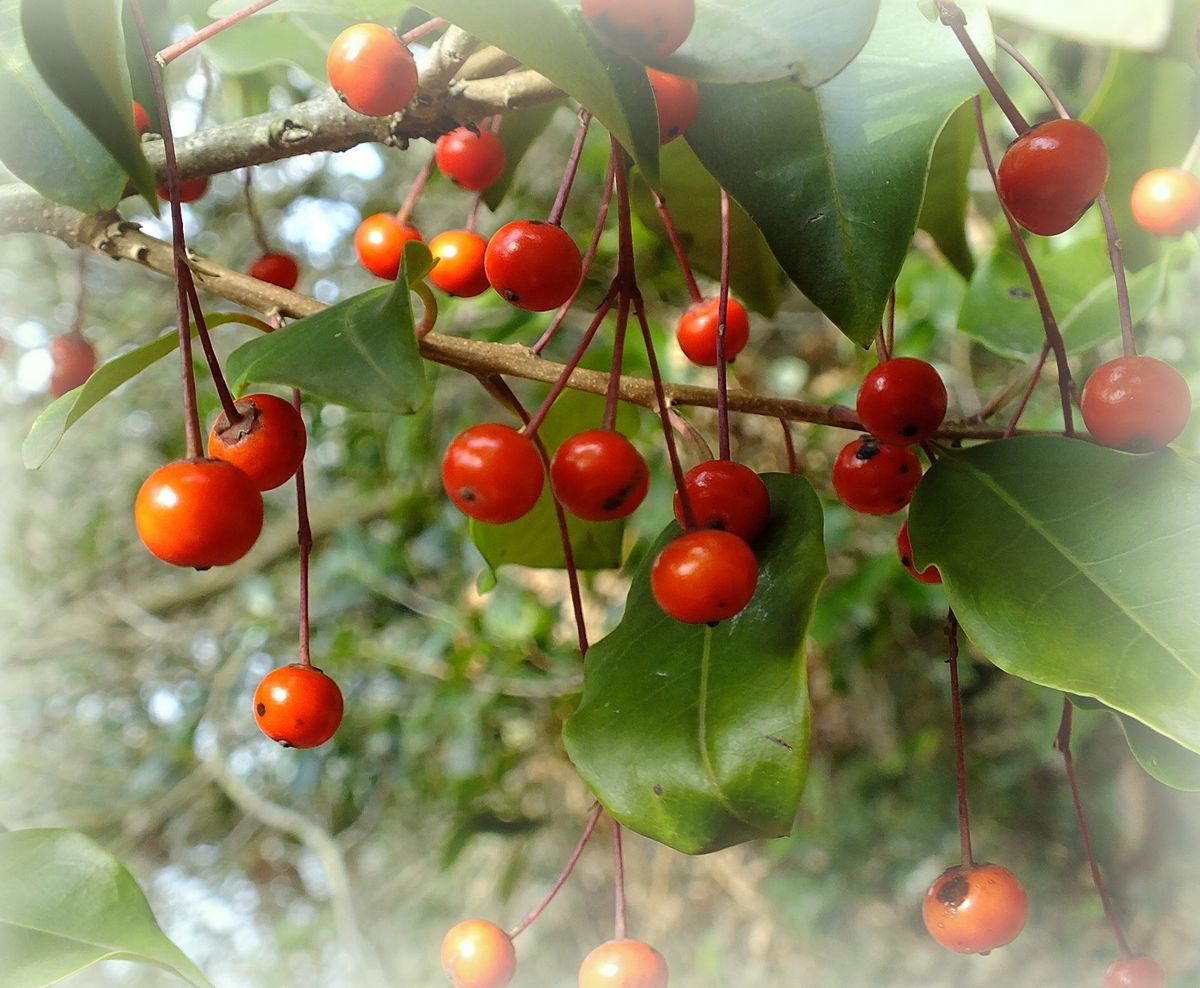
960	760
1014	53
1028	392
700	448
588	830
304	539
1062	742
614	376
685	265
620	925
889	337
252	213
418	32
722	315
80	297
228	405
954	18
789	446
172	52
564	189
473	215
404	213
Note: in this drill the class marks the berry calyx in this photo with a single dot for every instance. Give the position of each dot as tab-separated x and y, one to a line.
379	243
643	30
930	574
623	964
533	264
1166	201
72	360
703	577
696	331
974	910
371	70
902	400
727	496
470	159
267	443
599	475
298	706
141	118
280	270
677	100
198	512
493	473
459	268
1051	174
1135	972
1138	404
875	478
190	189
478	954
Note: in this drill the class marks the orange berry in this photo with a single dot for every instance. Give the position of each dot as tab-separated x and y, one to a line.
623	964
459	269
677	100
974	910
267	444
72	360
379	243
1166	201
478	954
298	706
372	70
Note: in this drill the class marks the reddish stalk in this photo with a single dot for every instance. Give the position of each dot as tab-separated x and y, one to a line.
618	357
700	448
418	32
722	316
228	405
404	213
305	540
685	266
890	332
172	52
1028	392
789	445
620	926
1062	741
564	189
960	761
473	215
537	910
954	18
256	224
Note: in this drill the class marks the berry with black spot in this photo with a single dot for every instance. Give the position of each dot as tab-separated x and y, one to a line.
599	475
533	265
493	473
972	910
298	706
902	400
725	495
875	478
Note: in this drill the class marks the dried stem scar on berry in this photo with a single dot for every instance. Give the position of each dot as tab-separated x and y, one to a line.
972	910
298	706
267	443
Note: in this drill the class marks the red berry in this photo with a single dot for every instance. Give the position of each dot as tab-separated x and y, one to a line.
930	574
141	119
703	577
190	189
478	954
643	29
1166	201
623	964
72	360
298	706
534	265
470	159
379	243
1051	174
726	496
677	100
875	478
459	269
1135	972
696	331
276	269
598	475
902	400
1137	404
372	70
974	910
267	444
200	513
493	473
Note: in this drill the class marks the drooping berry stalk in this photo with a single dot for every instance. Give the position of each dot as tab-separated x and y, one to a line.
614	374
885	339
685	266
172	52
620	924
228	405
304	538
418	32
953	17
404	213
536	911
789	445
568	179
252	213
722	315
960	761
1028	392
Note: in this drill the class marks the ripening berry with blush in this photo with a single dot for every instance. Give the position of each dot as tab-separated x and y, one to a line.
677	100
478	954
280	270
599	475
1166	201
727	496
267	443
493	473
372	70
379	243
298	706
704	576
974	910
72	360
190	189
645	29
875	478
1138	404
471	159
459	269
623	964
1135	972
696	331
534	265
902	401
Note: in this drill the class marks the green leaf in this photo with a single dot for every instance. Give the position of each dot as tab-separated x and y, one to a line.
259	42
78	48
1163	759
944	209
1075	567
693	198
348	11
361	353
698	737
518	130
76	905
557	44
1116	25
835	176
41	141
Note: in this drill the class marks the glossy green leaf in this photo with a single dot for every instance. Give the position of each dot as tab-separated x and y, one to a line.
79	49
835	176
518	131
70	904
259	42
361	353
693	198
555	42
944	209
349	11
698	737
1115	23
1075	567
1171	764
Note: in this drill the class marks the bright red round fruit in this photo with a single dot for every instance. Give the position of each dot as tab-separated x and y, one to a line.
727	496
298	706
372	70
930	574
72	360
875	478
902	400
267	444
141	119
190	189
645	30
493	473
1166	201
974	910
470	159
598	475
379	243
280	270
1135	972
623	964
533	264
677	100
703	577
1138	404
696	331
1051	174
478	954
459	269
200	513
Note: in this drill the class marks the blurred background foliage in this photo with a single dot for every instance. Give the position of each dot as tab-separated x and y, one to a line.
126	689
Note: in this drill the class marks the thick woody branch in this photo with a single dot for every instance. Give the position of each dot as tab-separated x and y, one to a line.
446	58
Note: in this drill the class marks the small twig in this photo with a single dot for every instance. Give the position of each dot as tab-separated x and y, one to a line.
954	18
537	910
172	52
620	924
564	189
